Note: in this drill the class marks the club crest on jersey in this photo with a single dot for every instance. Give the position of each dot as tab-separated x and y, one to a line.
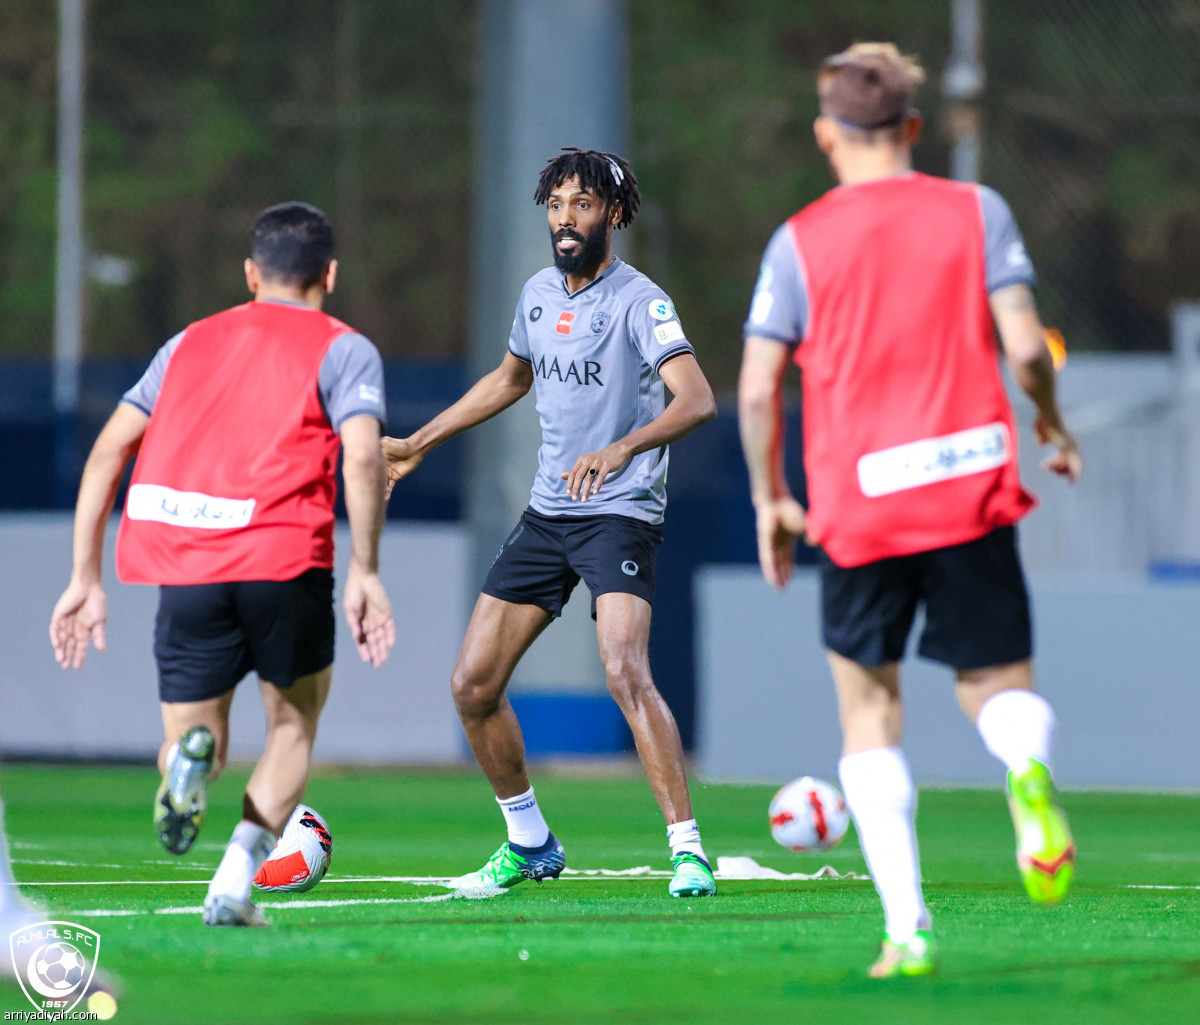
599	322
565	320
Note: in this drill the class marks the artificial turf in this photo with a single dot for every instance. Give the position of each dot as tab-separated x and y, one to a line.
582	951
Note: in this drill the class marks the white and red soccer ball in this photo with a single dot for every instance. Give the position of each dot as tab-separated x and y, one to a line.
809	815
301	857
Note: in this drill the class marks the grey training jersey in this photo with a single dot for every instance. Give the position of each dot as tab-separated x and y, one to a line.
595	356
780	306
350	381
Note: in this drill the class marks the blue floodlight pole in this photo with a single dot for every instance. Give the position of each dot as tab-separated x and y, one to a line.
69	257
550	75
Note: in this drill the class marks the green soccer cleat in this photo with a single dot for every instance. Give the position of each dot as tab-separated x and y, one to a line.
1045	850
919	956
692	878
512	864
182	799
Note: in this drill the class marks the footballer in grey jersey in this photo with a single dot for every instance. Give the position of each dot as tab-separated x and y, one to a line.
600	344
595	356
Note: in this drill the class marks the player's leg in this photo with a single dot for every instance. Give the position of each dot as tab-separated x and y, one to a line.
1017	726
527	586
15	911
977	611
275	787
200	648
617	556
289	629
867	612
623	633
498	635
882	798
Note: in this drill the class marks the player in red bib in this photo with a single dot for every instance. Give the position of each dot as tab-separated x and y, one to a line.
236	427
885	291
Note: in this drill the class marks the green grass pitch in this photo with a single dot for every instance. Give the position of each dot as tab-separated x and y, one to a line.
604	951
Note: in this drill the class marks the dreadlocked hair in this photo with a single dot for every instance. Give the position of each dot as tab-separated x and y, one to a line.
606	174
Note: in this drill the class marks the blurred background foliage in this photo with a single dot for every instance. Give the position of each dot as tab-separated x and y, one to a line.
201	114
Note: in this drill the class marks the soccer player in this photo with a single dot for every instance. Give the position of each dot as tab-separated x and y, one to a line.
597	341
885	291
236	426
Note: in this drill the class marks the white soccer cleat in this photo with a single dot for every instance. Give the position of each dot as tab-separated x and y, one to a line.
222	910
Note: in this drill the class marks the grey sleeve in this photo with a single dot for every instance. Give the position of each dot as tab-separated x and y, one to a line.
655	330
350	381
1006	261
144	394
518	337
779	309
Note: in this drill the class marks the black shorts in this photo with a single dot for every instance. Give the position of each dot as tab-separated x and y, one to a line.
208	636
976	605
545	557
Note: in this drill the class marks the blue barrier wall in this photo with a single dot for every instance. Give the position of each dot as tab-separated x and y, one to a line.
709	520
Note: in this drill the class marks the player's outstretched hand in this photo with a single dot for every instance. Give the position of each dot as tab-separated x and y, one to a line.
588	473
781	523
369	614
79	616
1066	461
400	458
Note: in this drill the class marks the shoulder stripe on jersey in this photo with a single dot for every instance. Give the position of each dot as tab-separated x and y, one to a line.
136	405
682	351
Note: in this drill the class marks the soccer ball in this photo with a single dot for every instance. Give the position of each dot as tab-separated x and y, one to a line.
60	967
301	857
808	815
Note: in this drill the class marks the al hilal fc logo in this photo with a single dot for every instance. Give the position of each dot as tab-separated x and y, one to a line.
54	963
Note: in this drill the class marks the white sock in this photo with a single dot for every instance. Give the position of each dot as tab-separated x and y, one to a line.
1017	725
249	847
880	794
684	838
526	827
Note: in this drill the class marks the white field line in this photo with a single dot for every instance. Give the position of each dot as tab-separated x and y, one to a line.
1152	886
299	905
415	880
738	868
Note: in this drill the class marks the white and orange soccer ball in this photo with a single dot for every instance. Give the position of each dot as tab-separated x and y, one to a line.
809	815
301	857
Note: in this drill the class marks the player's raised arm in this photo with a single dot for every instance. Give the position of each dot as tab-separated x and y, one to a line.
82	612
693	404
368	610
780	518
1032	367
490	395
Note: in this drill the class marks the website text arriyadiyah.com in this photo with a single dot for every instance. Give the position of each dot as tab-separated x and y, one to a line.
44	1016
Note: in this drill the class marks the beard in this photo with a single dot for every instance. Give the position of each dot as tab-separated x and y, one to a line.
586	256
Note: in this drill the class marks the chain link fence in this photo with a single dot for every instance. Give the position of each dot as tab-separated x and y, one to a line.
199	115
1093	134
